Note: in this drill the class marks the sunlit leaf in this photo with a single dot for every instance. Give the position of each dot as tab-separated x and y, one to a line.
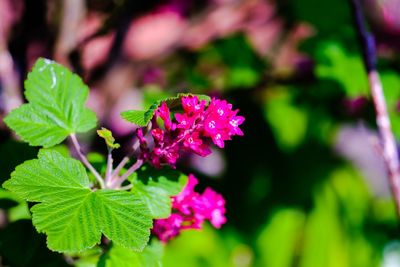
108	137
156	187
122	257
143	117
283	232
72	215
334	62
56	106
289	122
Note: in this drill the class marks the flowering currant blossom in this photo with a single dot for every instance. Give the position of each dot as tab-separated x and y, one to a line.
189	210
190	131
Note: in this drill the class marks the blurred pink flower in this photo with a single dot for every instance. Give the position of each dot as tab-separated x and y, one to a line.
95	51
386	13
10	13
153	35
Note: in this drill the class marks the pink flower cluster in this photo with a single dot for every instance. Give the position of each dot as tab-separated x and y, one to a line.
192	130
189	211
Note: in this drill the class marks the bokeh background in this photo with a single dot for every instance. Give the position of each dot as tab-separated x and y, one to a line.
305	186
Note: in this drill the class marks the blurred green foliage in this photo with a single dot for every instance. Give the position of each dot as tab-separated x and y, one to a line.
292	200
336	231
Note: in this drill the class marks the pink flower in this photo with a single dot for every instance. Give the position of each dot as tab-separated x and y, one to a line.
192	105
189	211
158	134
213	207
167	155
219	139
211	126
166	229
220	108
192	130
164	114
185	121
203	150
185	200
221	122
194	143
234	124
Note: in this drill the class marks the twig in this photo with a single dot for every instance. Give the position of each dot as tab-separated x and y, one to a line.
126	187
115	174
117	182
132	169
389	148
122	164
109	168
85	160
125	160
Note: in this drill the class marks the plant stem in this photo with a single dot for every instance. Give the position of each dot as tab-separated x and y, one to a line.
109	168
132	169
125	160
117	182
85	160
120	166
389	147
126	187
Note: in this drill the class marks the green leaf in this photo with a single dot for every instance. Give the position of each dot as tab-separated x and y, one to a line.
72	215
143	117
56	106
288	121
16	207
285	228
139	117
207	248
153	93
156	188
108	137
238	72
391	87
87	258
325	17
122	257
175	102
334	62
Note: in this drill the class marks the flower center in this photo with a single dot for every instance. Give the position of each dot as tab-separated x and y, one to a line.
211	124
234	123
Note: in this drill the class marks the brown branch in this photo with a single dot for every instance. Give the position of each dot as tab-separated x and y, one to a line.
389	146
